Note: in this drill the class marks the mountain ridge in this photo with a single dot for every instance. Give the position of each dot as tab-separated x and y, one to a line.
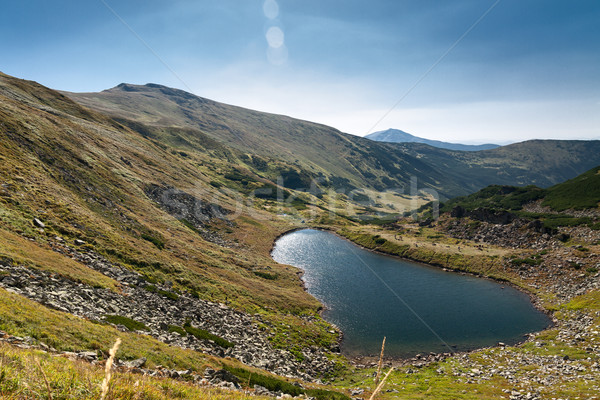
319	152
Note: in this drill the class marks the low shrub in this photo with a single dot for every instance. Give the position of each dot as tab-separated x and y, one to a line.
151	288
206	335
178	329
266	275
168	295
529	261
155	241
128	323
380	241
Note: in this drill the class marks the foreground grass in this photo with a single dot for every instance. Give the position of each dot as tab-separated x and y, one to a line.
32	374
20	316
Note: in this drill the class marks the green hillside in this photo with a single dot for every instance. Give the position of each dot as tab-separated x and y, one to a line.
315	152
330	157
579	193
542	163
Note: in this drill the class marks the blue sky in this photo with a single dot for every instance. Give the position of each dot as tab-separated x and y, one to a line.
528	69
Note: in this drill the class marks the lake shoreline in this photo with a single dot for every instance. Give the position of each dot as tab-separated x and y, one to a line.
359	360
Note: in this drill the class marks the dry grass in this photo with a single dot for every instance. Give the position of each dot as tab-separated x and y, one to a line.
108	369
380	386
37	362
65	379
380	364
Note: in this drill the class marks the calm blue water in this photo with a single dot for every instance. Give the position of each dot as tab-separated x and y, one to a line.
418	308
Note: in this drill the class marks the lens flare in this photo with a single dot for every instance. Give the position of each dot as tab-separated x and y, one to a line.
275	37
271	9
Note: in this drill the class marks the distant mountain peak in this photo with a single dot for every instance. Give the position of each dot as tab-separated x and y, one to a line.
398	136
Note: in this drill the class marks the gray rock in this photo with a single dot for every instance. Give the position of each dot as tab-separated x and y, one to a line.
138	363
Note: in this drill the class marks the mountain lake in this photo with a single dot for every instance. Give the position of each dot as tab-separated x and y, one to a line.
419	308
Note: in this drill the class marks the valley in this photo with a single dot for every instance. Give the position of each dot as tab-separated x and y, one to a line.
149	214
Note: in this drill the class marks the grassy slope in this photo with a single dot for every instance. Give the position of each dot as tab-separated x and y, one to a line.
581	192
307	145
363	162
72	174
83	175
33	374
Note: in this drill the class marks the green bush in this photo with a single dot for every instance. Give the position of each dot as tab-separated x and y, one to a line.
128	323
151	288
380	241
205	335
178	329
266	275
168	295
157	242
529	261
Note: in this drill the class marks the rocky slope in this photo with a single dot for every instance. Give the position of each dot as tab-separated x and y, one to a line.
158	307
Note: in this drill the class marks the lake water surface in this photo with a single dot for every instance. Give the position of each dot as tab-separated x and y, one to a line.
418	308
